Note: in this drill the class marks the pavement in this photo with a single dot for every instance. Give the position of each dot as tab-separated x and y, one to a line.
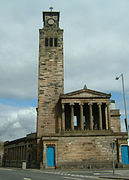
118	174
122	174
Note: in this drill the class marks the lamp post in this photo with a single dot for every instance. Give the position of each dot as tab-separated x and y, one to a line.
113	163
117	78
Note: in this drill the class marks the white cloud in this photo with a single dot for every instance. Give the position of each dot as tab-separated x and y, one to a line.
16	122
96	50
95	44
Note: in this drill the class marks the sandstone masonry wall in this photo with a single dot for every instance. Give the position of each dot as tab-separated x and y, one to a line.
51	81
86	152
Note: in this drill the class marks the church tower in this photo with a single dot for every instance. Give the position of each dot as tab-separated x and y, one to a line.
51	73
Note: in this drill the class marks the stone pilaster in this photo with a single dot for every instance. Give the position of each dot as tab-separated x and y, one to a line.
108	114
91	118
81	116
100	116
63	118
106	118
72	117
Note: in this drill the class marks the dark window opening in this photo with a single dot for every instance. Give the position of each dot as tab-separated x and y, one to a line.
103	116
55	42
77	116
86	114
67	117
51	42
46	41
95	116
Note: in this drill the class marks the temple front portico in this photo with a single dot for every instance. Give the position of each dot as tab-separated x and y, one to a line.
80	112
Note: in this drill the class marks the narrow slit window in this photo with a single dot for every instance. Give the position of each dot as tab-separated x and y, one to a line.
46	41
51	42
55	42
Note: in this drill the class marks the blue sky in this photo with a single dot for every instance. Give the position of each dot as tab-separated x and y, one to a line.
96	50
18	102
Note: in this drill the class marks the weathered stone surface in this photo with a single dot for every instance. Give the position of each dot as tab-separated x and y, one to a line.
115	120
51	78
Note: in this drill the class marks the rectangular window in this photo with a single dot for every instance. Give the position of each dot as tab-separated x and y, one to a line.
55	42
46	41
51	42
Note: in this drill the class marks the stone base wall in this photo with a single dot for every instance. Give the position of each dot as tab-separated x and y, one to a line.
82	151
18	164
85	165
12	164
85	152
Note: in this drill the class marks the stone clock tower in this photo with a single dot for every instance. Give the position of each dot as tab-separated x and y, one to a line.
74	130
51	74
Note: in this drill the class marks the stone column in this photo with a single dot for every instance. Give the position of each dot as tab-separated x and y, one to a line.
15	154
91	118
18	154
100	116
12	153
106	117
21	153
25	151
81	116
72	117
63	118
108	114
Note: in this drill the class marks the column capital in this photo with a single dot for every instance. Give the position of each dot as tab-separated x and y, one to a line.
71	104
81	104
108	103
99	103
90	103
62	104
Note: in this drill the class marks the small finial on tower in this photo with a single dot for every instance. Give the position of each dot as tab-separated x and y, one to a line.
51	8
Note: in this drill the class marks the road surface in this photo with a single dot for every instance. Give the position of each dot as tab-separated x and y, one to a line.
19	174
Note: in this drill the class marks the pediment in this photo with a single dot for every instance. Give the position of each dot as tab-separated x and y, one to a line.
86	93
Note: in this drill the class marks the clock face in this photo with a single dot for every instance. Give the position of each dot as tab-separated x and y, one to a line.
51	21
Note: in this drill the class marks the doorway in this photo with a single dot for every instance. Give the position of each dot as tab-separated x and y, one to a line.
125	154
50	156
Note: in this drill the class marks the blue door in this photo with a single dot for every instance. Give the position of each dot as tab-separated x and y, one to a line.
125	154
50	156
